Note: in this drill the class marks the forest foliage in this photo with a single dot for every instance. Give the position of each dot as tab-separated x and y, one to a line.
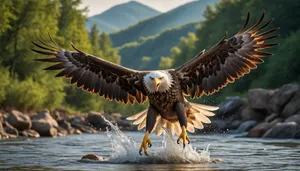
229	15
24	84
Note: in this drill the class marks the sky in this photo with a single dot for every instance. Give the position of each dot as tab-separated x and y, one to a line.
99	6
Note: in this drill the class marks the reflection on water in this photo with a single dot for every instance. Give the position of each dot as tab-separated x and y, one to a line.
64	153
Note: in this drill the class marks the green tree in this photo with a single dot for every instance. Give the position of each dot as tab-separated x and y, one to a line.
165	63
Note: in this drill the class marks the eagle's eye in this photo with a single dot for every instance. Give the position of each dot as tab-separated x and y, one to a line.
151	78
161	78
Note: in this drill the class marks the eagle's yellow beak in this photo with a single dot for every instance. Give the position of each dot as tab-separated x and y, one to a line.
156	83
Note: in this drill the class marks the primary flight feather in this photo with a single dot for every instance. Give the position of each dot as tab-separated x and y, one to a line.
206	73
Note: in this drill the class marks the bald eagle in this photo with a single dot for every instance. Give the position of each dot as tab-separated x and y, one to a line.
166	90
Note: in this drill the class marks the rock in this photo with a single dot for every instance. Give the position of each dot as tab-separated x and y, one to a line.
97	120
44	127
246	126
19	120
281	97
92	157
282	130
30	133
294	118
259	98
78	120
56	115
3	134
297	134
45	115
11	135
259	130
292	107
65	124
62	132
276	121
230	106
234	124
252	114
10	129
76	131
271	117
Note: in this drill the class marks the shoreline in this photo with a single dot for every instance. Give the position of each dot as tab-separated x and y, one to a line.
264	114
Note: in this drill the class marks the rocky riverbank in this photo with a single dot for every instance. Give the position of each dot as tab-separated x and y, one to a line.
57	123
265	113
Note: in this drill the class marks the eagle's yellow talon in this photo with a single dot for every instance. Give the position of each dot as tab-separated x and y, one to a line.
146	142
184	137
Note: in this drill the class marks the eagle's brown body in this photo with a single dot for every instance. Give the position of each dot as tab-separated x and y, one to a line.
164	102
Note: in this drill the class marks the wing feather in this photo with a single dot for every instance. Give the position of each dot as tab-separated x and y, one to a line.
227	61
94	74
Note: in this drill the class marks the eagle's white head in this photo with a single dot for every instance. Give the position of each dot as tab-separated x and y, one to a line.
158	81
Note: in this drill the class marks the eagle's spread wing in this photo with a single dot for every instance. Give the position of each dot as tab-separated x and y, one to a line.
93	74
228	60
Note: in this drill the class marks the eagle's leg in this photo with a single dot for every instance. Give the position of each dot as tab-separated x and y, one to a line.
181	114
150	122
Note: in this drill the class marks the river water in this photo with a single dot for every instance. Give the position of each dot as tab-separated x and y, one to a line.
120	152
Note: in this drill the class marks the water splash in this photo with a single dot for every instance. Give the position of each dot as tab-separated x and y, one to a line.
125	150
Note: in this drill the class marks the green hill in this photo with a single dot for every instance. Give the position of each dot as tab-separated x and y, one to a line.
153	47
184	14
121	16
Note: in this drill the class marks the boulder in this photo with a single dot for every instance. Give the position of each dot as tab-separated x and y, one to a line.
19	120
281	97
297	134
282	130
294	118
65	124
45	115
30	133
292	107
259	130
56	115
246	126
10	129
234	124
252	114
92	157
44	127
78	120
259	98
230	106
97	120
271	117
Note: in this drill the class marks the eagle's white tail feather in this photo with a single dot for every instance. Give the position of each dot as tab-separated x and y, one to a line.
139	119
206	107
135	116
142	124
198	124
156	123
197	115
171	127
202	118
190	127
159	128
177	128
203	111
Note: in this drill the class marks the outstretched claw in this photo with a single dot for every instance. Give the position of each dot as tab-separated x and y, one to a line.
184	137
146	142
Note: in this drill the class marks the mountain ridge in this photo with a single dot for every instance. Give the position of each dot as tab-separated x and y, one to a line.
121	16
